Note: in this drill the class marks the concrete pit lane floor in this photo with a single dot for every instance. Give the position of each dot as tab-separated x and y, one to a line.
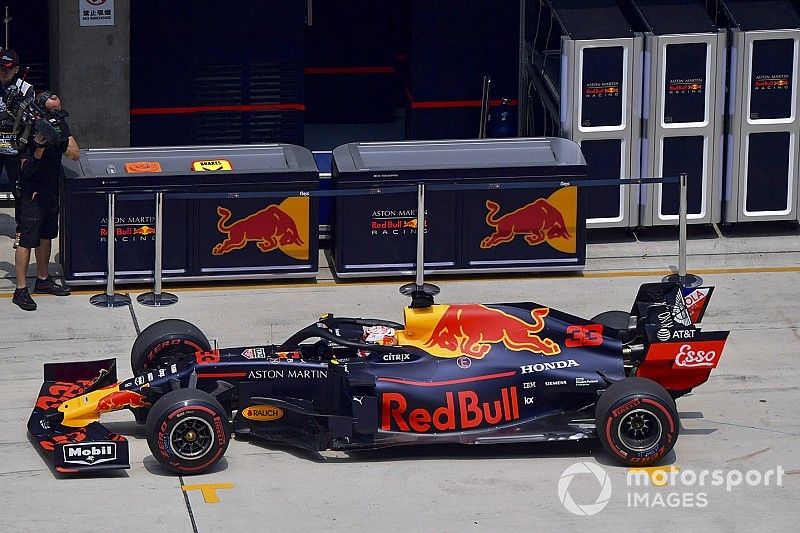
743	422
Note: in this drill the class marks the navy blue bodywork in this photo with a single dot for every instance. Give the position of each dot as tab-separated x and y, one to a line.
326	387
343	393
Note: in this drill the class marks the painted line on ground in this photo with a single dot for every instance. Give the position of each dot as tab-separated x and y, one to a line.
542	276
209	490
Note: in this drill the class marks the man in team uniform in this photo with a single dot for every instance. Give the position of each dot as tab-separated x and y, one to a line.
39	177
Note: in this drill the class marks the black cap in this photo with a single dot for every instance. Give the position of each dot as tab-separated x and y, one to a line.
9	59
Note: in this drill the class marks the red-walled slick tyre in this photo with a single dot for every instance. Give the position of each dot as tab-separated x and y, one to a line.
188	431
165	342
637	421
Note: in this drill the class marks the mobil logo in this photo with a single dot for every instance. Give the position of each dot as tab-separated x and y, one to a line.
454	331
552	220
90	453
283	227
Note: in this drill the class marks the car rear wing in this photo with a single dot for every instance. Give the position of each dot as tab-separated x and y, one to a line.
668	304
677	354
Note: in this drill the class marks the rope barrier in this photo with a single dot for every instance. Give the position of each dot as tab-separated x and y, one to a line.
157	298
400	189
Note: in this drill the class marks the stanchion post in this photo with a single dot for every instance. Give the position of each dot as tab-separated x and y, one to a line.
485	99
684	208
421	293
420	234
682	278
109	298
156	298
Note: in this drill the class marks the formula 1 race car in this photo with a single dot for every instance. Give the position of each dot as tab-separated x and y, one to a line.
471	374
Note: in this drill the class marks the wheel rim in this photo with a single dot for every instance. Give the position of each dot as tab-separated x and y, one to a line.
191	438
639	430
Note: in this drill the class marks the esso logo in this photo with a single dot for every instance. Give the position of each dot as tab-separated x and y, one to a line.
690	358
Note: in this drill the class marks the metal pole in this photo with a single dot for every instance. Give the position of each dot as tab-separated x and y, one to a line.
485	98
109	298
682	231
682	278
8	26
421	293
157	298
112	213
159	237
420	234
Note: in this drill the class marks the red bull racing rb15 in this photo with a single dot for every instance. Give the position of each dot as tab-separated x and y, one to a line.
468	374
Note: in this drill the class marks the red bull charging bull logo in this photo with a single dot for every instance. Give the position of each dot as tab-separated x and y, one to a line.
119	399
144	230
283	227
552	220
472	330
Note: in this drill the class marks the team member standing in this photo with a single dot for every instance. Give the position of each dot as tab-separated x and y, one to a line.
9	157
40	173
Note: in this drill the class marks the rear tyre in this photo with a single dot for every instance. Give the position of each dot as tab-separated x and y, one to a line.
678	393
166	342
637	421
187	431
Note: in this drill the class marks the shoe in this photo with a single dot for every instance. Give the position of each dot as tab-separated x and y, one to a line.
48	286
16	241
23	299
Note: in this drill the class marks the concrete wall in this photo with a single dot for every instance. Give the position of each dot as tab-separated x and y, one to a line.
90	70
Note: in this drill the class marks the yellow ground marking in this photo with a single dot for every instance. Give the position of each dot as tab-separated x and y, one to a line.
395	281
659	475
209	490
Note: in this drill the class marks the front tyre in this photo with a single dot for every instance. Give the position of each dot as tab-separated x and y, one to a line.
166	342
187	431
637	421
